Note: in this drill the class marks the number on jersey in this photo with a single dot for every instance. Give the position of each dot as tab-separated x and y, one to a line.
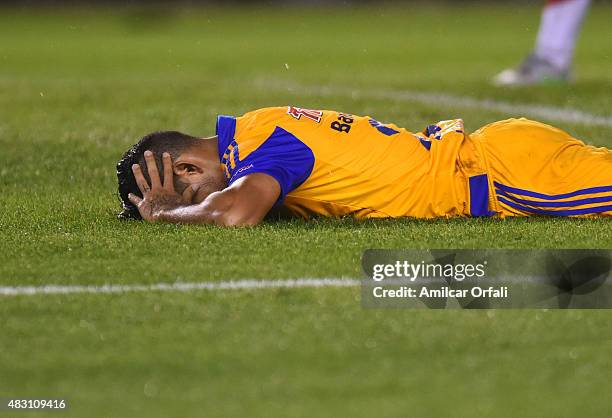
298	112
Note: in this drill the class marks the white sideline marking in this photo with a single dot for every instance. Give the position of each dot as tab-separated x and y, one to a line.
177	287
551	113
247	284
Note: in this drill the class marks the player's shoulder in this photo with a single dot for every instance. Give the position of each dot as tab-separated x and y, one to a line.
267	114
286	113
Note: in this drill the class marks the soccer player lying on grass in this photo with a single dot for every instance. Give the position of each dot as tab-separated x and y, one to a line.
311	162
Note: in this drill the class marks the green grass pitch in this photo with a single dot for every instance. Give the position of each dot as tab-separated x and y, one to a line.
77	87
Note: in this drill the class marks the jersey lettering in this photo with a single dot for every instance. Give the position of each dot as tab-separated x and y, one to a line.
340	126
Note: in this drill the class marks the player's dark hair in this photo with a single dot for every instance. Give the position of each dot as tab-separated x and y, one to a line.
172	142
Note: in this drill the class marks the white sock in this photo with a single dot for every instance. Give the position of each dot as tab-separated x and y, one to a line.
559	29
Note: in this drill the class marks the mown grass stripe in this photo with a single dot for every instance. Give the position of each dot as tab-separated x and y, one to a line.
550	113
178	287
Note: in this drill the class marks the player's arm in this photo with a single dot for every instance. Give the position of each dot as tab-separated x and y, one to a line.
245	202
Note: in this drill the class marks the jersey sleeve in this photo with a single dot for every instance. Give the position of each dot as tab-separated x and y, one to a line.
282	155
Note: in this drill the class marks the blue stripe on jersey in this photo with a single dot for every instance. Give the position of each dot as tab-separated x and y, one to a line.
433	130
226	128
566	204
479	196
523	192
425	143
382	128
386	130
567	212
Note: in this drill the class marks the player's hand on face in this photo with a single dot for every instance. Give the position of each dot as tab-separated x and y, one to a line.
157	196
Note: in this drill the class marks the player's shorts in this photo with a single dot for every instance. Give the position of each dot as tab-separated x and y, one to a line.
536	169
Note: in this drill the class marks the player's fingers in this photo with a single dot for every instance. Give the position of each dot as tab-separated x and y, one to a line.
168	172
189	193
152	169
140	180
134	199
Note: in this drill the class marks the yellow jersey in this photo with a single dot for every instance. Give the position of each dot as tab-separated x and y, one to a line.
337	164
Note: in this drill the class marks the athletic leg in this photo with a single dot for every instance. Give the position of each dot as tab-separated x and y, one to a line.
537	169
552	57
559	29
